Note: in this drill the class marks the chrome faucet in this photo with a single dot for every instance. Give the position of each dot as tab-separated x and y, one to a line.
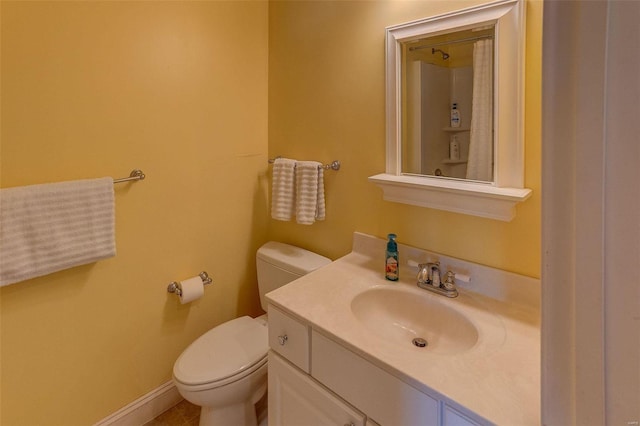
429	278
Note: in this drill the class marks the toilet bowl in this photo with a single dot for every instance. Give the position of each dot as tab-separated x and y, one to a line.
224	371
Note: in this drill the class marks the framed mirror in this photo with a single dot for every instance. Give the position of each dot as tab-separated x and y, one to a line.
455	115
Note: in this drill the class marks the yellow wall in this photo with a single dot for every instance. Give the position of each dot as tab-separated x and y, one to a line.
179	89
91	89
326	102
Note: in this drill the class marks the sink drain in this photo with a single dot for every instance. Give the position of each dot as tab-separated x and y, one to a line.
419	342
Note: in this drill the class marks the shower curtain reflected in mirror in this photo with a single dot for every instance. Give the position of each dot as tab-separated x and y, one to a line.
480	165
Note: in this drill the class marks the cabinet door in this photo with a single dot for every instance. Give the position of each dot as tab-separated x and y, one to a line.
453	417
296	399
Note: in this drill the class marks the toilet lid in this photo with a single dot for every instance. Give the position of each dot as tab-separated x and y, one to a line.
222	352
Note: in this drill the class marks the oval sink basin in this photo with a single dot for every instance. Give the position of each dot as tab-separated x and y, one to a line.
399	316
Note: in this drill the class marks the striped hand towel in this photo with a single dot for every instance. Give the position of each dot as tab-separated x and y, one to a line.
50	227
309	192
283	189
320	207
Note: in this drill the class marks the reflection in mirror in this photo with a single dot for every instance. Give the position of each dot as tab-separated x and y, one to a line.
447	87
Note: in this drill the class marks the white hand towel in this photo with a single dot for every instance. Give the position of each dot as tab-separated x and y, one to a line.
308	196
283	189
50	227
320	207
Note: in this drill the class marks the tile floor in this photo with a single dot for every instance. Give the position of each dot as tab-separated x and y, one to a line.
187	414
183	414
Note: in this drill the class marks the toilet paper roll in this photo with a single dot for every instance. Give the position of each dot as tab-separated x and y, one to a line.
192	289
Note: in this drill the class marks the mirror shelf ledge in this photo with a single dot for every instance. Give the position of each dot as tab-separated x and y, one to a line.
471	198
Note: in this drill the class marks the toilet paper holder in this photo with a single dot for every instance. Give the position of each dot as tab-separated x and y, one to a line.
174	287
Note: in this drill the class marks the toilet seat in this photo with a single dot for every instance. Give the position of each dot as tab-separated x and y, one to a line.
224	354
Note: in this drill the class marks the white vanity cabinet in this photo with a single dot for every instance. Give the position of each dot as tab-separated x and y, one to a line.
452	417
297	399
315	381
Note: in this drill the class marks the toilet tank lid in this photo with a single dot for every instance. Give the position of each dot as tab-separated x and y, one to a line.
291	258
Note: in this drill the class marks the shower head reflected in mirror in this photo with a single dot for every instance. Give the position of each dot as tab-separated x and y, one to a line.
444	54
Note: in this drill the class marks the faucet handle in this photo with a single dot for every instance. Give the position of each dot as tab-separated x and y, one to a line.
429	273
423	272
449	281
463	277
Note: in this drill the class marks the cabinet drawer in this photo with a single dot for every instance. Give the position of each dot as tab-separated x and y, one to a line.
382	396
289	337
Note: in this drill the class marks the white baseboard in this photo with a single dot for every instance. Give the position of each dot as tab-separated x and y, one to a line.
145	408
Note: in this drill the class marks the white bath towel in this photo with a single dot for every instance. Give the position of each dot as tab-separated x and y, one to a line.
310	205
283	189
50	227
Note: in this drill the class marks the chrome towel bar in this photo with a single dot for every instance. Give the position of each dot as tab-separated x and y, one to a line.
134	175
334	165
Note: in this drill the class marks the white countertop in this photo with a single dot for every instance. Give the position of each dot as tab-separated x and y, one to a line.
498	379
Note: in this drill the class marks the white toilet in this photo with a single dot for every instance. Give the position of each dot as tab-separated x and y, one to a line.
225	370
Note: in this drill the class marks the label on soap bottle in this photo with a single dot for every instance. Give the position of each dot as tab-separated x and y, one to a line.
391	268
391	259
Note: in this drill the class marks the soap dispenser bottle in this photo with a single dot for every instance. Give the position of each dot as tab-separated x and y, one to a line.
391	259
455	115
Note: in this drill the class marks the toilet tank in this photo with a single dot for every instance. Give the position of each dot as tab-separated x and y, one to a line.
279	264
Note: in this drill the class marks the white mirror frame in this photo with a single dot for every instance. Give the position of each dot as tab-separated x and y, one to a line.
497	199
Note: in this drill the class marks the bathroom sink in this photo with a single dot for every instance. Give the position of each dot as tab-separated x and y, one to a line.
414	319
